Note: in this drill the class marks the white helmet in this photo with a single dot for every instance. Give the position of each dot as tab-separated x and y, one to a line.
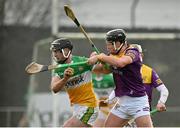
138	47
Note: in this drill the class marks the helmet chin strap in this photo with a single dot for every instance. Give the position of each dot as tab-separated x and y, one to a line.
118	49
66	56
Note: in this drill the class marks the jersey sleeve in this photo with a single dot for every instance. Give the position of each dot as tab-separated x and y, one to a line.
156	81
133	53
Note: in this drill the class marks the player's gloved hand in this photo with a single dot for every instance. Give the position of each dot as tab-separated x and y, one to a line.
161	107
102	103
68	73
92	60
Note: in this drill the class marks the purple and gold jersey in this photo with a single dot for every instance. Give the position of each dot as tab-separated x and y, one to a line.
128	79
150	79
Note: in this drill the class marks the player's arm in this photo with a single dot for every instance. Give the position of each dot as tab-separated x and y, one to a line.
58	83
164	93
120	62
110	100
100	68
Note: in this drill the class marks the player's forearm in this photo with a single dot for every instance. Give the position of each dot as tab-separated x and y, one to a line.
57	86
164	93
100	68
107	59
118	62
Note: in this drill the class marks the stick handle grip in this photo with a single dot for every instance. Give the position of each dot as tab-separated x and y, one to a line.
153	111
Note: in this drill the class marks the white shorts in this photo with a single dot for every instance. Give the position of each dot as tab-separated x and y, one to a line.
131	107
85	114
101	115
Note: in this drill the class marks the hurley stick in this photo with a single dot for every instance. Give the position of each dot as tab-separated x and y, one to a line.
71	15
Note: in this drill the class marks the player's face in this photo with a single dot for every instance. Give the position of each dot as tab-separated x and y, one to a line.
112	47
58	54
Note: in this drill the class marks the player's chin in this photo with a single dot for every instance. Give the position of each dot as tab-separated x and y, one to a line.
58	59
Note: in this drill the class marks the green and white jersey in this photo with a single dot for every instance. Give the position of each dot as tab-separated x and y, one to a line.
103	84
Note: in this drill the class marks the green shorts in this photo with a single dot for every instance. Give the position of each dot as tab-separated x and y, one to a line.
87	115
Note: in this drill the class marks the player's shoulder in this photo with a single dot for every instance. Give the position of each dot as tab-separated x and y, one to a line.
131	50
131	47
133	53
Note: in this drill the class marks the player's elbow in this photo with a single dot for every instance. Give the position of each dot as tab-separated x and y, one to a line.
54	89
167	92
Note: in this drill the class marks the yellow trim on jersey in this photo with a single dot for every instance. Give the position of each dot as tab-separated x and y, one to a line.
146	73
117	55
83	95
120	54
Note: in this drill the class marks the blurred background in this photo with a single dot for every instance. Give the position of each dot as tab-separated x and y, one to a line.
28	26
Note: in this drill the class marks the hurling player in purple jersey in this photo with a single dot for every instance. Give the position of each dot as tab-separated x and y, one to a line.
151	80
124	63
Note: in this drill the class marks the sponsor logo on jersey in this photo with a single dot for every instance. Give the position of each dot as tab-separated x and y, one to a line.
74	82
